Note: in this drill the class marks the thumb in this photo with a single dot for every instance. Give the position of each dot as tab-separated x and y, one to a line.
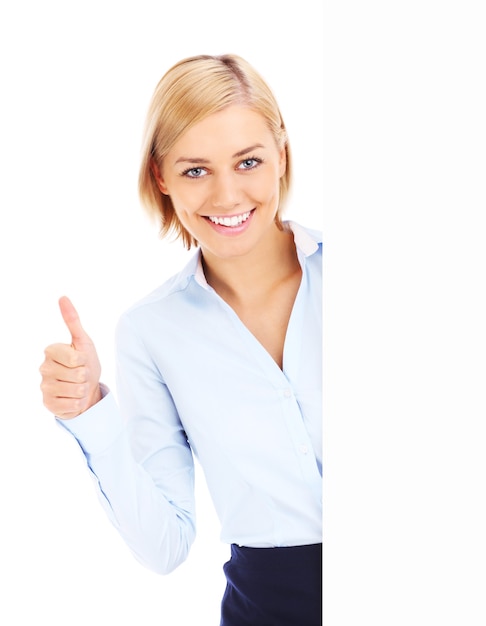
79	337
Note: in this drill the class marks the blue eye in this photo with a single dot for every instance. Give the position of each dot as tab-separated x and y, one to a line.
249	164
194	172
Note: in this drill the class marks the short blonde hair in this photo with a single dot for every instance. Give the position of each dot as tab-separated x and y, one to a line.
190	91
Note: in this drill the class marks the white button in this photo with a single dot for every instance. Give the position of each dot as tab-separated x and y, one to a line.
287	393
303	448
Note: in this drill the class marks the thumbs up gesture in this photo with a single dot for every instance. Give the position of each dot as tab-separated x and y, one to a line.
70	373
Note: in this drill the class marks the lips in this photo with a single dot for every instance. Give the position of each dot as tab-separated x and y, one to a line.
230	221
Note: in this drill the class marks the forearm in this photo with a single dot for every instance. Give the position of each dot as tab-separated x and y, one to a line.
158	531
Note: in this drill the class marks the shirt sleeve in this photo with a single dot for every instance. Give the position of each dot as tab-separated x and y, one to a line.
141	460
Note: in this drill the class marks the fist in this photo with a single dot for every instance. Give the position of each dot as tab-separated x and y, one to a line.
70	373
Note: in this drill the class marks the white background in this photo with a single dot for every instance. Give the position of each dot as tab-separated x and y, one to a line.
384	103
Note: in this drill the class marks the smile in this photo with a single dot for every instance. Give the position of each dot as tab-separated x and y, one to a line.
231	222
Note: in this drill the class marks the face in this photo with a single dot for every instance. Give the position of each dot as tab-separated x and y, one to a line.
222	176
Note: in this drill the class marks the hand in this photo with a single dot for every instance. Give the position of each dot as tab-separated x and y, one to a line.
71	374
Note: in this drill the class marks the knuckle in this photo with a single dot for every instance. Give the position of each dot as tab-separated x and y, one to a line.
78	360
48	350
48	404
72	360
81	374
53	350
46	388
45	365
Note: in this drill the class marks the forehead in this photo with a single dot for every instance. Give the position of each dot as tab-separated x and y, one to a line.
229	130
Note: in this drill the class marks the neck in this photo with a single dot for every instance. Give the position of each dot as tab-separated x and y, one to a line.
245	277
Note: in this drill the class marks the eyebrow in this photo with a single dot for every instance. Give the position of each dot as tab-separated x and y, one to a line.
234	156
246	150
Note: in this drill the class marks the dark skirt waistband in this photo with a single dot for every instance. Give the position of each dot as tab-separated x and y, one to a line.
273	586
270	558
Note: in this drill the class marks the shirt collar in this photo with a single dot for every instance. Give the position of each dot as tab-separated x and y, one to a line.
306	241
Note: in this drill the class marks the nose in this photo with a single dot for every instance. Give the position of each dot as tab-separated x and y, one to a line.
225	192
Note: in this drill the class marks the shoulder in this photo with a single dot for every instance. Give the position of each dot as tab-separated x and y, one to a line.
308	240
165	296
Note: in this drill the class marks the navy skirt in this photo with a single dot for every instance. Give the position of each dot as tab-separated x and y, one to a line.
273	587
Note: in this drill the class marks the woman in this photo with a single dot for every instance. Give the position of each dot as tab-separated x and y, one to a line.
222	361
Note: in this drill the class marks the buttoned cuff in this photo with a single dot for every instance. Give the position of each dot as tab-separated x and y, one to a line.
97	428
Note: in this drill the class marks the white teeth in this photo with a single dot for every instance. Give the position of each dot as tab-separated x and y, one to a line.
235	220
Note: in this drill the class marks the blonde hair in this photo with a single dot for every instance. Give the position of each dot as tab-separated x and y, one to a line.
190	91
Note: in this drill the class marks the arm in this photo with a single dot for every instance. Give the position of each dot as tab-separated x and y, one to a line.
140	459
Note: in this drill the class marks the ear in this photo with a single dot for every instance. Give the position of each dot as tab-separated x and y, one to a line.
154	168
282	162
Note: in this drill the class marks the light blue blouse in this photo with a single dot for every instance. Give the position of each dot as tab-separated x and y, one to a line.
193	380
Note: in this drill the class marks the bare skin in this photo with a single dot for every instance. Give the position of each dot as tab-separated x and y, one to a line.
226	167
262	300
71	373
229	165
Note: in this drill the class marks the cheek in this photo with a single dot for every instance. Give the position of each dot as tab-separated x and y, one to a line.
270	187
263	187
186	201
